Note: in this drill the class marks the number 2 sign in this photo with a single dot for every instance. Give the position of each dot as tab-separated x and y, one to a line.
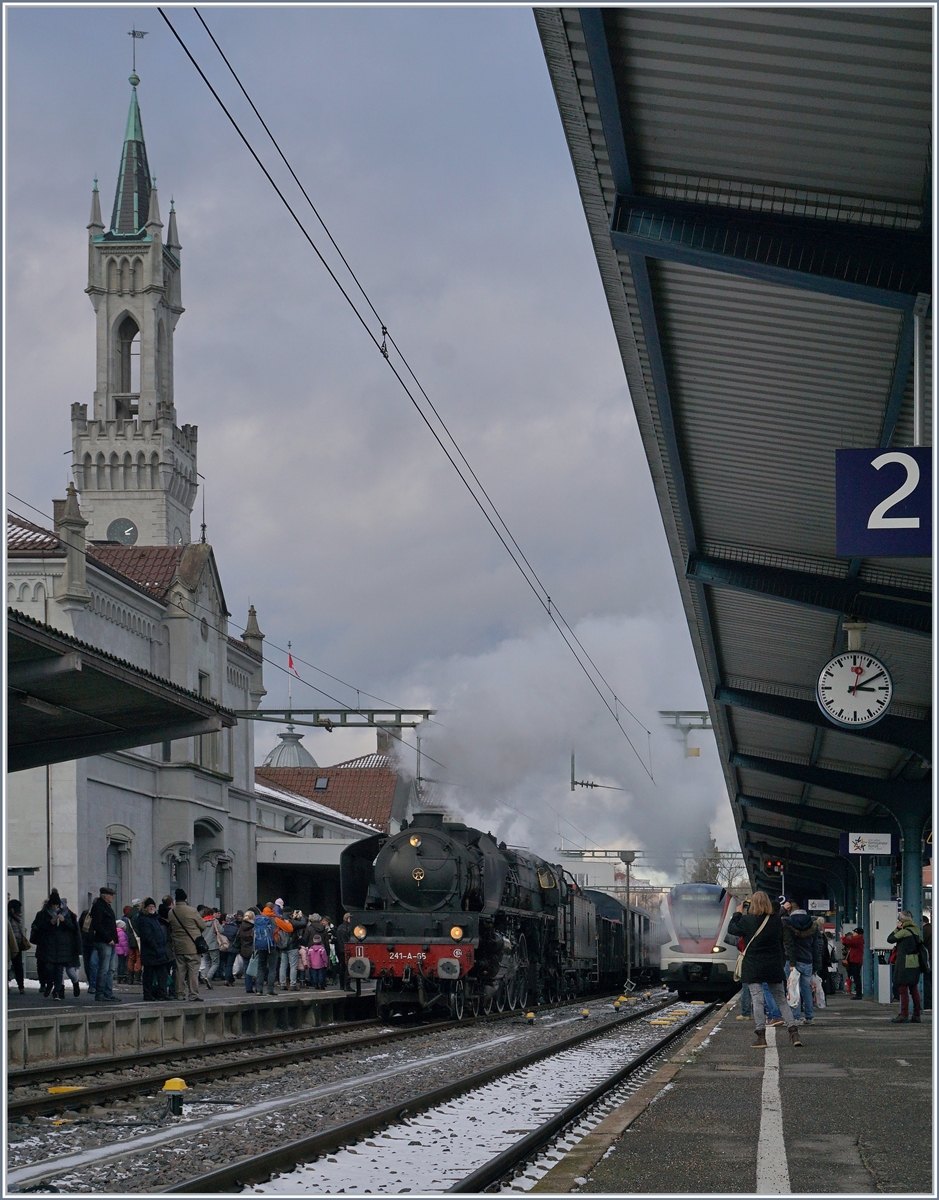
884	503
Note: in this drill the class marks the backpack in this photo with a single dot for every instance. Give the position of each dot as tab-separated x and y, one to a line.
263	932
282	939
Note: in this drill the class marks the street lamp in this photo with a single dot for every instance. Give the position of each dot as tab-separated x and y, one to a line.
628	857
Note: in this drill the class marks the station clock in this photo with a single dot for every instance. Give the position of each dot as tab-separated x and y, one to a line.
854	689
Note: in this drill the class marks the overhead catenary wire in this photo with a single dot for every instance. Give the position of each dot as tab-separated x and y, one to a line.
468	477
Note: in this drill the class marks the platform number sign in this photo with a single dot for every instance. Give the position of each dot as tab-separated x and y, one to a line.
884	503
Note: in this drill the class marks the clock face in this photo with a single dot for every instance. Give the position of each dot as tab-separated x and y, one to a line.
122	530
854	689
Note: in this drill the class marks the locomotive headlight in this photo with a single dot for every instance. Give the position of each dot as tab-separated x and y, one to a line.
456	933
360	932
717	950
414	840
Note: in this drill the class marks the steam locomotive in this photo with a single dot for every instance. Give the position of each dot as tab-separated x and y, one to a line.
444	917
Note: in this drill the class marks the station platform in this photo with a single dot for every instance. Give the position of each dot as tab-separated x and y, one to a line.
46	1032
856	1113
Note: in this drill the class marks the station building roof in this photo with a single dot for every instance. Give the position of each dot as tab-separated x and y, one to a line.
66	700
756	184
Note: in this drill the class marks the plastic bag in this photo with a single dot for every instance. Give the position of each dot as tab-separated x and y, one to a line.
818	992
238	967
792	989
251	970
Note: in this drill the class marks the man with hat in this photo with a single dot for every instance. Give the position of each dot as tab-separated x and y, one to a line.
103	931
188	945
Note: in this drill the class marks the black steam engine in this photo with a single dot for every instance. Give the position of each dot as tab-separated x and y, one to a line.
444	917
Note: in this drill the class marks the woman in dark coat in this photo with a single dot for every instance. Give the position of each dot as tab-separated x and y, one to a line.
58	944
907	968
763	962
155	937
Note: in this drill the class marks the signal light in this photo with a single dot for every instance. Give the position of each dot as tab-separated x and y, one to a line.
774	866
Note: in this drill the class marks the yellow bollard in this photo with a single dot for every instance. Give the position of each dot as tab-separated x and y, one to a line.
530	1018
175	1087
585	1013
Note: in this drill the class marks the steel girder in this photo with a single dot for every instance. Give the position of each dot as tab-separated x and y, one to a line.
900	608
894	731
891	793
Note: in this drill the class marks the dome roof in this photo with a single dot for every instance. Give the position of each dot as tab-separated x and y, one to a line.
290	753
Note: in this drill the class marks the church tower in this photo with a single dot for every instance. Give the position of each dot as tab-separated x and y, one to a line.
134	467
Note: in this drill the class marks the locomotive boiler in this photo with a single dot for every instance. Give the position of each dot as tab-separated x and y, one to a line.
445	917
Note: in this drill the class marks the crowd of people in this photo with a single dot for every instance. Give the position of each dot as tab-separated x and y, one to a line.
783	945
171	949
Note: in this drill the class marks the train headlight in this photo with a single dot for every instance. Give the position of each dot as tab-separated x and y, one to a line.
360	932
717	950
456	933
414	840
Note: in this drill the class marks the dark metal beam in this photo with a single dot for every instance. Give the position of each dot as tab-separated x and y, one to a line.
38	754
870	263
22	674
894	731
789	837
891	793
901	608
825	817
802	858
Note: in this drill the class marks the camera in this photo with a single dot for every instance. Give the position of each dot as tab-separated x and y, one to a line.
746	905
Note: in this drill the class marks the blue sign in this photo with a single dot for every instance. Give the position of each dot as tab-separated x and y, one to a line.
883	503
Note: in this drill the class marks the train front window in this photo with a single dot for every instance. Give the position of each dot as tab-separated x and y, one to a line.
698	912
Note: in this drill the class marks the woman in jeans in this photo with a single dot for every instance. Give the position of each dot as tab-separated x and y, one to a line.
763	961
907	968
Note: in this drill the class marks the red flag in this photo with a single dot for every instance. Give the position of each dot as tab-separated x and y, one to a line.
290	666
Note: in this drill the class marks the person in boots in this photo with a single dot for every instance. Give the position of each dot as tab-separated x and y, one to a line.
908	965
763	962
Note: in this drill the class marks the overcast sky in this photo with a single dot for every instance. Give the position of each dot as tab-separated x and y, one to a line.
430	141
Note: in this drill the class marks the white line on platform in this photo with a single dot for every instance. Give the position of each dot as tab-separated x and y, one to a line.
772	1169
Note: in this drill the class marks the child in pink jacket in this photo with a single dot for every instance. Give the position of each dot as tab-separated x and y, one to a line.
123	949
318	959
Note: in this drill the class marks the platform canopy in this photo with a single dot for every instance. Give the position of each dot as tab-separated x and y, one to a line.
756	183
67	700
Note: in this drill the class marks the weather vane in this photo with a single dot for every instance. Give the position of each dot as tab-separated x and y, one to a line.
136	33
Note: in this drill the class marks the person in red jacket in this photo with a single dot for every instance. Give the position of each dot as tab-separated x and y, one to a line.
854	944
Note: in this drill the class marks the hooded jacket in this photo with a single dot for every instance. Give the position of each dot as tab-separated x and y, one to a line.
156	940
908	939
245	940
802	940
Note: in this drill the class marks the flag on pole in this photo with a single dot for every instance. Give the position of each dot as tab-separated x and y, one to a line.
290	666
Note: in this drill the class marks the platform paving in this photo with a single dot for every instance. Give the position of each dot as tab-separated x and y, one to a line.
856	1112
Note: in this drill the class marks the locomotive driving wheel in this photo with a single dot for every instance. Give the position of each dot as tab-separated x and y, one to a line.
500	996
487	1003
511	993
524	970
474	1001
457	999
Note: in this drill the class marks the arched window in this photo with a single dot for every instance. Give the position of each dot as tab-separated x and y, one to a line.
39	594
128	471
160	353
154	470
128	356
124	276
88	475
101	472
136	277
115	473
142	482
112	275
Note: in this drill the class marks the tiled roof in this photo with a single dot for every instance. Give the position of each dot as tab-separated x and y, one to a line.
243	647
372	761
150	567
363	793
265	788
24	539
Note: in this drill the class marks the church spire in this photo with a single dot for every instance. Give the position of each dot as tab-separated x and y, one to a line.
132	198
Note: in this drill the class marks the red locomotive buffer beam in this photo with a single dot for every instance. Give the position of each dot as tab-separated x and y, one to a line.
392	961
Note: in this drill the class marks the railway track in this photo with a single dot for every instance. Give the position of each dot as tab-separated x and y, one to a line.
288	1177
137	1146
226	1067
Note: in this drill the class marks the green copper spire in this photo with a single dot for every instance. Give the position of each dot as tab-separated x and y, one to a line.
132	199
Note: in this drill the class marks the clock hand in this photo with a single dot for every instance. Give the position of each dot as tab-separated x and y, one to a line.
858	671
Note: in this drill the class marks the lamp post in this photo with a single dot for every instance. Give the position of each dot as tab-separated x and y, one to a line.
20	872
628	857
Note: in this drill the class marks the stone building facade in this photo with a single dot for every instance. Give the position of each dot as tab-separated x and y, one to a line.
120	571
